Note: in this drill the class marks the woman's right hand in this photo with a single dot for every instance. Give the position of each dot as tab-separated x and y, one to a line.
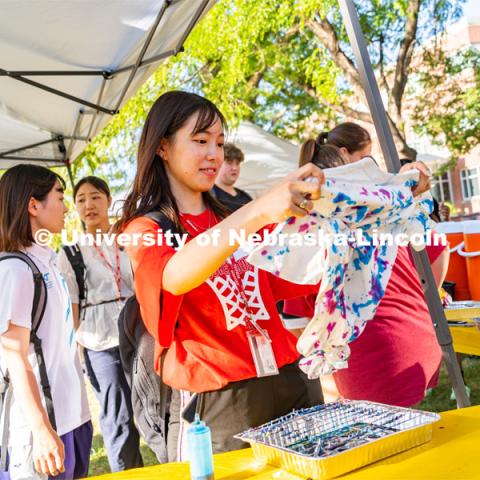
48	451
292	197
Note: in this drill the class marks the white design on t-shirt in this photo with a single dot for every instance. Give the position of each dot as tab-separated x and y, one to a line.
238	306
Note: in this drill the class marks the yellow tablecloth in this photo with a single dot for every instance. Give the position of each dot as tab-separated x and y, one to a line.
453	454
466	340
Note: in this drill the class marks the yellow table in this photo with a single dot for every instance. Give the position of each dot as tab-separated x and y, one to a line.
465	339
453	454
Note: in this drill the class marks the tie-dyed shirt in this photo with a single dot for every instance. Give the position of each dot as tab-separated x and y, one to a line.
353	275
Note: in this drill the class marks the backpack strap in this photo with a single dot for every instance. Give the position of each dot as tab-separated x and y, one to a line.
164	223
75	257
165	391
38	311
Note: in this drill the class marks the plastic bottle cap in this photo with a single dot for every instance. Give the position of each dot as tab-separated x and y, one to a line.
197	427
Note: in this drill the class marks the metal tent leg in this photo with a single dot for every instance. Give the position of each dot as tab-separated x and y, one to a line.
390	154
70	173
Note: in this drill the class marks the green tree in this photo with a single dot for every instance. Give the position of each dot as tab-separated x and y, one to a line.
450	114
288	67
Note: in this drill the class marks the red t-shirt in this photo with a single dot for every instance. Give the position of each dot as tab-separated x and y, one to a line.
204	329
397	356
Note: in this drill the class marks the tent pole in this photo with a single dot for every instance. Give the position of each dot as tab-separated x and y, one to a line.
27	147
55	73
148	61
390	154
70	173
57	92
192	24
146	44
33	159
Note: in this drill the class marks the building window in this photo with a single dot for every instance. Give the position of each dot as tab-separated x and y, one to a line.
440	188
470	182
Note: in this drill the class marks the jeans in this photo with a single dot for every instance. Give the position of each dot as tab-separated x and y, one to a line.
120	436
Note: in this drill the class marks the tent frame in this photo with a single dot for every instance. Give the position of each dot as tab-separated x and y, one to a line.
96	108
387	144
375	104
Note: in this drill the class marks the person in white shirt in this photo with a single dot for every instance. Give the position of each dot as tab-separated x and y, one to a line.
40	443
108	282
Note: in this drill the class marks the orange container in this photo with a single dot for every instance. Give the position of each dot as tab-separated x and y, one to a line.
457	268
471	253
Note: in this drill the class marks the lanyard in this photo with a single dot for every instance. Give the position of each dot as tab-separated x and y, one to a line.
117	276
252	325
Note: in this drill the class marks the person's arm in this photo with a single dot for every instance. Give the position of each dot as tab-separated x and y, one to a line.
48	448
440	267
76	315
329	389
191	266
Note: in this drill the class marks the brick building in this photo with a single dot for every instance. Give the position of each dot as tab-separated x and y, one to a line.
459	186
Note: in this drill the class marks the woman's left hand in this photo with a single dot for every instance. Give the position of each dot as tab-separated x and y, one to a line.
423	184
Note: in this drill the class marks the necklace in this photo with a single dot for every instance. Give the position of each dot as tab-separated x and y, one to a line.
194	226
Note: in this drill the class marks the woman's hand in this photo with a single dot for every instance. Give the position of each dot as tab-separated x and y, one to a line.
48	452
292	197
196	262
423	184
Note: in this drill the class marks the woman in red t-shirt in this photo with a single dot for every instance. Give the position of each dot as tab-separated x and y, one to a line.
209	310
397	356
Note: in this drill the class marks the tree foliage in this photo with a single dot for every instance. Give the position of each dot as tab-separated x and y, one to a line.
288	67
450	114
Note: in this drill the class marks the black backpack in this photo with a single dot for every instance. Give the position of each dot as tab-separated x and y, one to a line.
75	257
38	310
150	396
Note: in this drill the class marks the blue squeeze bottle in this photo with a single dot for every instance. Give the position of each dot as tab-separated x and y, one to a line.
200	455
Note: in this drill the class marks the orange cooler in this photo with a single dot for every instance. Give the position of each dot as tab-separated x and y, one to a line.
457	268
471	253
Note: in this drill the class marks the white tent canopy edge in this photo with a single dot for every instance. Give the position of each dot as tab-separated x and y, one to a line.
67	67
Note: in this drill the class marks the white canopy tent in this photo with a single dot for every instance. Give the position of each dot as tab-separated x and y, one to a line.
67	67
267	158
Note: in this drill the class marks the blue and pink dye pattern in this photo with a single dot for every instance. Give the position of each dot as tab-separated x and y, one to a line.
358	197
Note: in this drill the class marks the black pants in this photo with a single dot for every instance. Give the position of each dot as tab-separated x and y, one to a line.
116	417
242	405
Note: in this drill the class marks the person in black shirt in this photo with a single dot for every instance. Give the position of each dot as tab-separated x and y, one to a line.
225	192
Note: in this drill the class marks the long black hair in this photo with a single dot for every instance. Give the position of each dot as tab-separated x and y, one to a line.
151	188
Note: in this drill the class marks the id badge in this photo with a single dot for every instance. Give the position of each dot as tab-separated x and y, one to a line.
262	353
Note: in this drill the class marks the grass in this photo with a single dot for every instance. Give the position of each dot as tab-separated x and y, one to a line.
439	398
437	401
98	456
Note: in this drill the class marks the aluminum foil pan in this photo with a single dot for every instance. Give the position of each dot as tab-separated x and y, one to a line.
330	440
